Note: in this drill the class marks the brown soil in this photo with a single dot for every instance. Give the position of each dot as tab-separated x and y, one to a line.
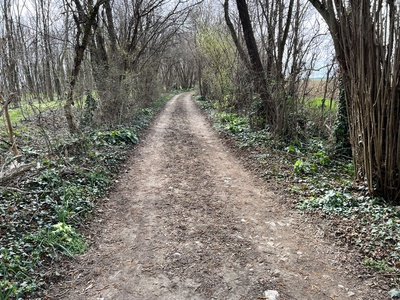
188	221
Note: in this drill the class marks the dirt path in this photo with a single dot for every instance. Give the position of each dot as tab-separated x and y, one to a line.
187	221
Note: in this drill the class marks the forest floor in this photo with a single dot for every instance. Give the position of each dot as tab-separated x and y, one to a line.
187	220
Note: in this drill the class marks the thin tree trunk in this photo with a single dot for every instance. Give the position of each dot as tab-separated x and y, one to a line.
242	53
80	48
9	125
258	74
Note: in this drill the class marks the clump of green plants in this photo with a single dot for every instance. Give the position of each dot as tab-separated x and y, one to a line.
330	202
200	98
322	158
378	265
303	167
312	158
238	126
115	137
20	260
59	236
203	102
293	149
17	273
233	123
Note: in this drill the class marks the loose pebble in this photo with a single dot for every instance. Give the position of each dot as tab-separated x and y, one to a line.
271	295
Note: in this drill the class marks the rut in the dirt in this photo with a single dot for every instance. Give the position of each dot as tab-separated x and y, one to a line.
187	221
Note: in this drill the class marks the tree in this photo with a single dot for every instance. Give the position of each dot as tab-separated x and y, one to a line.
9	51
5	104
277	44
257	69
367	44
218	55
85	18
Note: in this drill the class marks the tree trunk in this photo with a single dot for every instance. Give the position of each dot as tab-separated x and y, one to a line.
86	21
8	119
257	69
242	53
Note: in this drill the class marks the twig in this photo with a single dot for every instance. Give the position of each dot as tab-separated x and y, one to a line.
59	296
18	171
391	275
5	142
6	188
5	105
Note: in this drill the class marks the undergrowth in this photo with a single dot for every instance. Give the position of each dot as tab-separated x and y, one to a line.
322	184
41	209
